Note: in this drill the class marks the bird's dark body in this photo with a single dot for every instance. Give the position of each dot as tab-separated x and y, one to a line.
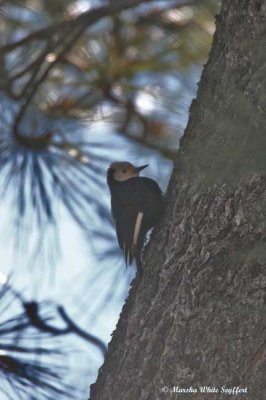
128	199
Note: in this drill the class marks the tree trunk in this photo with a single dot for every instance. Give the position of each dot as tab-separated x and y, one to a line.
197	318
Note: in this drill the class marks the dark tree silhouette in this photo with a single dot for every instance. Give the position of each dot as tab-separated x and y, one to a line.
197	318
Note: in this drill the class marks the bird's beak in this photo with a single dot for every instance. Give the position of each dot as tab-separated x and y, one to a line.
142	167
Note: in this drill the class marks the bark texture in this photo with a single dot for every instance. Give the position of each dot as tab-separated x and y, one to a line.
198	317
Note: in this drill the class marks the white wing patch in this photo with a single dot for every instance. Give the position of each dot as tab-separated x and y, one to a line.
137	227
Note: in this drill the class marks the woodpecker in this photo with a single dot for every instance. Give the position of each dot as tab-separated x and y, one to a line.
136	203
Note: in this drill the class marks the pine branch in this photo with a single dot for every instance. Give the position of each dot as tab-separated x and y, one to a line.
25	365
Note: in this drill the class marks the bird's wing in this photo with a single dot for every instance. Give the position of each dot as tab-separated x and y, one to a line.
118	227
131	223
128	227
129	219
137	227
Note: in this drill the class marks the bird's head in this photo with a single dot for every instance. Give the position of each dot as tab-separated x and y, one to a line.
122	171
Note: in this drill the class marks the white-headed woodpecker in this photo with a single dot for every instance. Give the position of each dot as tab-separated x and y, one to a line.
137	204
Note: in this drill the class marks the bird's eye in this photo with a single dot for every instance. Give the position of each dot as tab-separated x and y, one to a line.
124	171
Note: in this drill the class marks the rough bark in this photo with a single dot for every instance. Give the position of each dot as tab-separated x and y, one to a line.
198	316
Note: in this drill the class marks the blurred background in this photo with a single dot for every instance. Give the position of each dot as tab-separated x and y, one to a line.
82	83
